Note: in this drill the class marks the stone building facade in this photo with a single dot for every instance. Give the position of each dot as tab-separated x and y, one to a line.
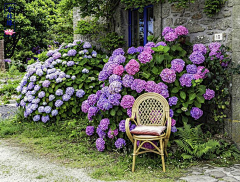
202	29
2	63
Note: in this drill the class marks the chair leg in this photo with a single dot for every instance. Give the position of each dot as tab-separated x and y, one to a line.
134	154
162	155
166	152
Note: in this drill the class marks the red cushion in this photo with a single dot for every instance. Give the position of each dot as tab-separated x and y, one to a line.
148	130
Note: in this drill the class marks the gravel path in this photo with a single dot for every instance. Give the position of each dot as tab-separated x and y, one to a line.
19	166
7	111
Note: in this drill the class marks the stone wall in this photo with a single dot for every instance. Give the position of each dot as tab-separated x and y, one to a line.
2	63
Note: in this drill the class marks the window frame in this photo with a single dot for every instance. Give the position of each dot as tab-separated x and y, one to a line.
145	20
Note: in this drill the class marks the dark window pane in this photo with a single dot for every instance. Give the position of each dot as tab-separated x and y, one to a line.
150	21
141	29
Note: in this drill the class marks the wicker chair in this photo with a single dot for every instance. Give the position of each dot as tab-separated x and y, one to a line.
151	110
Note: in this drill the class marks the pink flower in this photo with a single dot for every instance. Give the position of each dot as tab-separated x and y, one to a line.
201	72
168	75
132	67
118	70
127	101
9	32
144	57
181	30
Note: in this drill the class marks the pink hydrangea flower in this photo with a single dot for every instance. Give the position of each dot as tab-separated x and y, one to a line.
171	36
127	101
144	57
181	30
209	94
118	70
201	72
150	86
168	75
132	67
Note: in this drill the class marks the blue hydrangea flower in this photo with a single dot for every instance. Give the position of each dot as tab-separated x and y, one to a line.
70	63
36	118
59	92
54	112
41	94
51	97
80	93
66	97
47	109
87	45
45	119
58	103
41	109
72	52
70	91
46	83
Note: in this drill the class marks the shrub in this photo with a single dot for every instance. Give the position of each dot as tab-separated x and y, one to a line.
53	88
163	68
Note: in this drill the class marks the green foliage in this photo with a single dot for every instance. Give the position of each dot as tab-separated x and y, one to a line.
212	7
194	144
139	3
181	3
109	40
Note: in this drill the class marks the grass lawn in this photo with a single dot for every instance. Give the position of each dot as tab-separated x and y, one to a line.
54	142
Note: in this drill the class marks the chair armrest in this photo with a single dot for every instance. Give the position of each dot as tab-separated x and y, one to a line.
127	128
169	123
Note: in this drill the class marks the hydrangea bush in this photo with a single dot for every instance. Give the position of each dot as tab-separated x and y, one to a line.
163	68
55	86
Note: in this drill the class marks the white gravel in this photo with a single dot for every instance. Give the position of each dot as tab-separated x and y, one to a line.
19	166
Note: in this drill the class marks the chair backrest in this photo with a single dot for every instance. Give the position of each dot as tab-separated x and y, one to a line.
151	109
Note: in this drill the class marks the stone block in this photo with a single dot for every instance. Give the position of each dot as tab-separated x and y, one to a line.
165	10
168	22
235	55
180	21
175	9
234	2
197	16
236	131
236	16
236	108
194	27
236	40
235	86
224	24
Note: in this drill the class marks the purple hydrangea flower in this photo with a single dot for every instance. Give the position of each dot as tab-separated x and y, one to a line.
30	86
47	109
66	97
72	52
150	86
197	57
119	59
172	101
150	44
200	48
173	129
115	87
22	103
85	106
140	49
36	118
70	91
92	111
34	107
59	92
186	80
104	124
166	30
132	50
114	99
140	85
132	67
144	57
181	30
87	45
214	46
51	97
171	113
46	83
45	118
100	144
168	75
132	126
50	53
110	68
127	80
92	99
56	55
129	112
114	77
120	143
127	101
33	78
58	103
191	69
41	94
103	75
36	101
196	113
209	94
41	109
54	112
122	126
90	130
94	54
161	43
112	133
80	93
118	51
171	36
101	133
177	65
70	63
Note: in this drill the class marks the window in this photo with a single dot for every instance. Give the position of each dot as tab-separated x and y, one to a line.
140	26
